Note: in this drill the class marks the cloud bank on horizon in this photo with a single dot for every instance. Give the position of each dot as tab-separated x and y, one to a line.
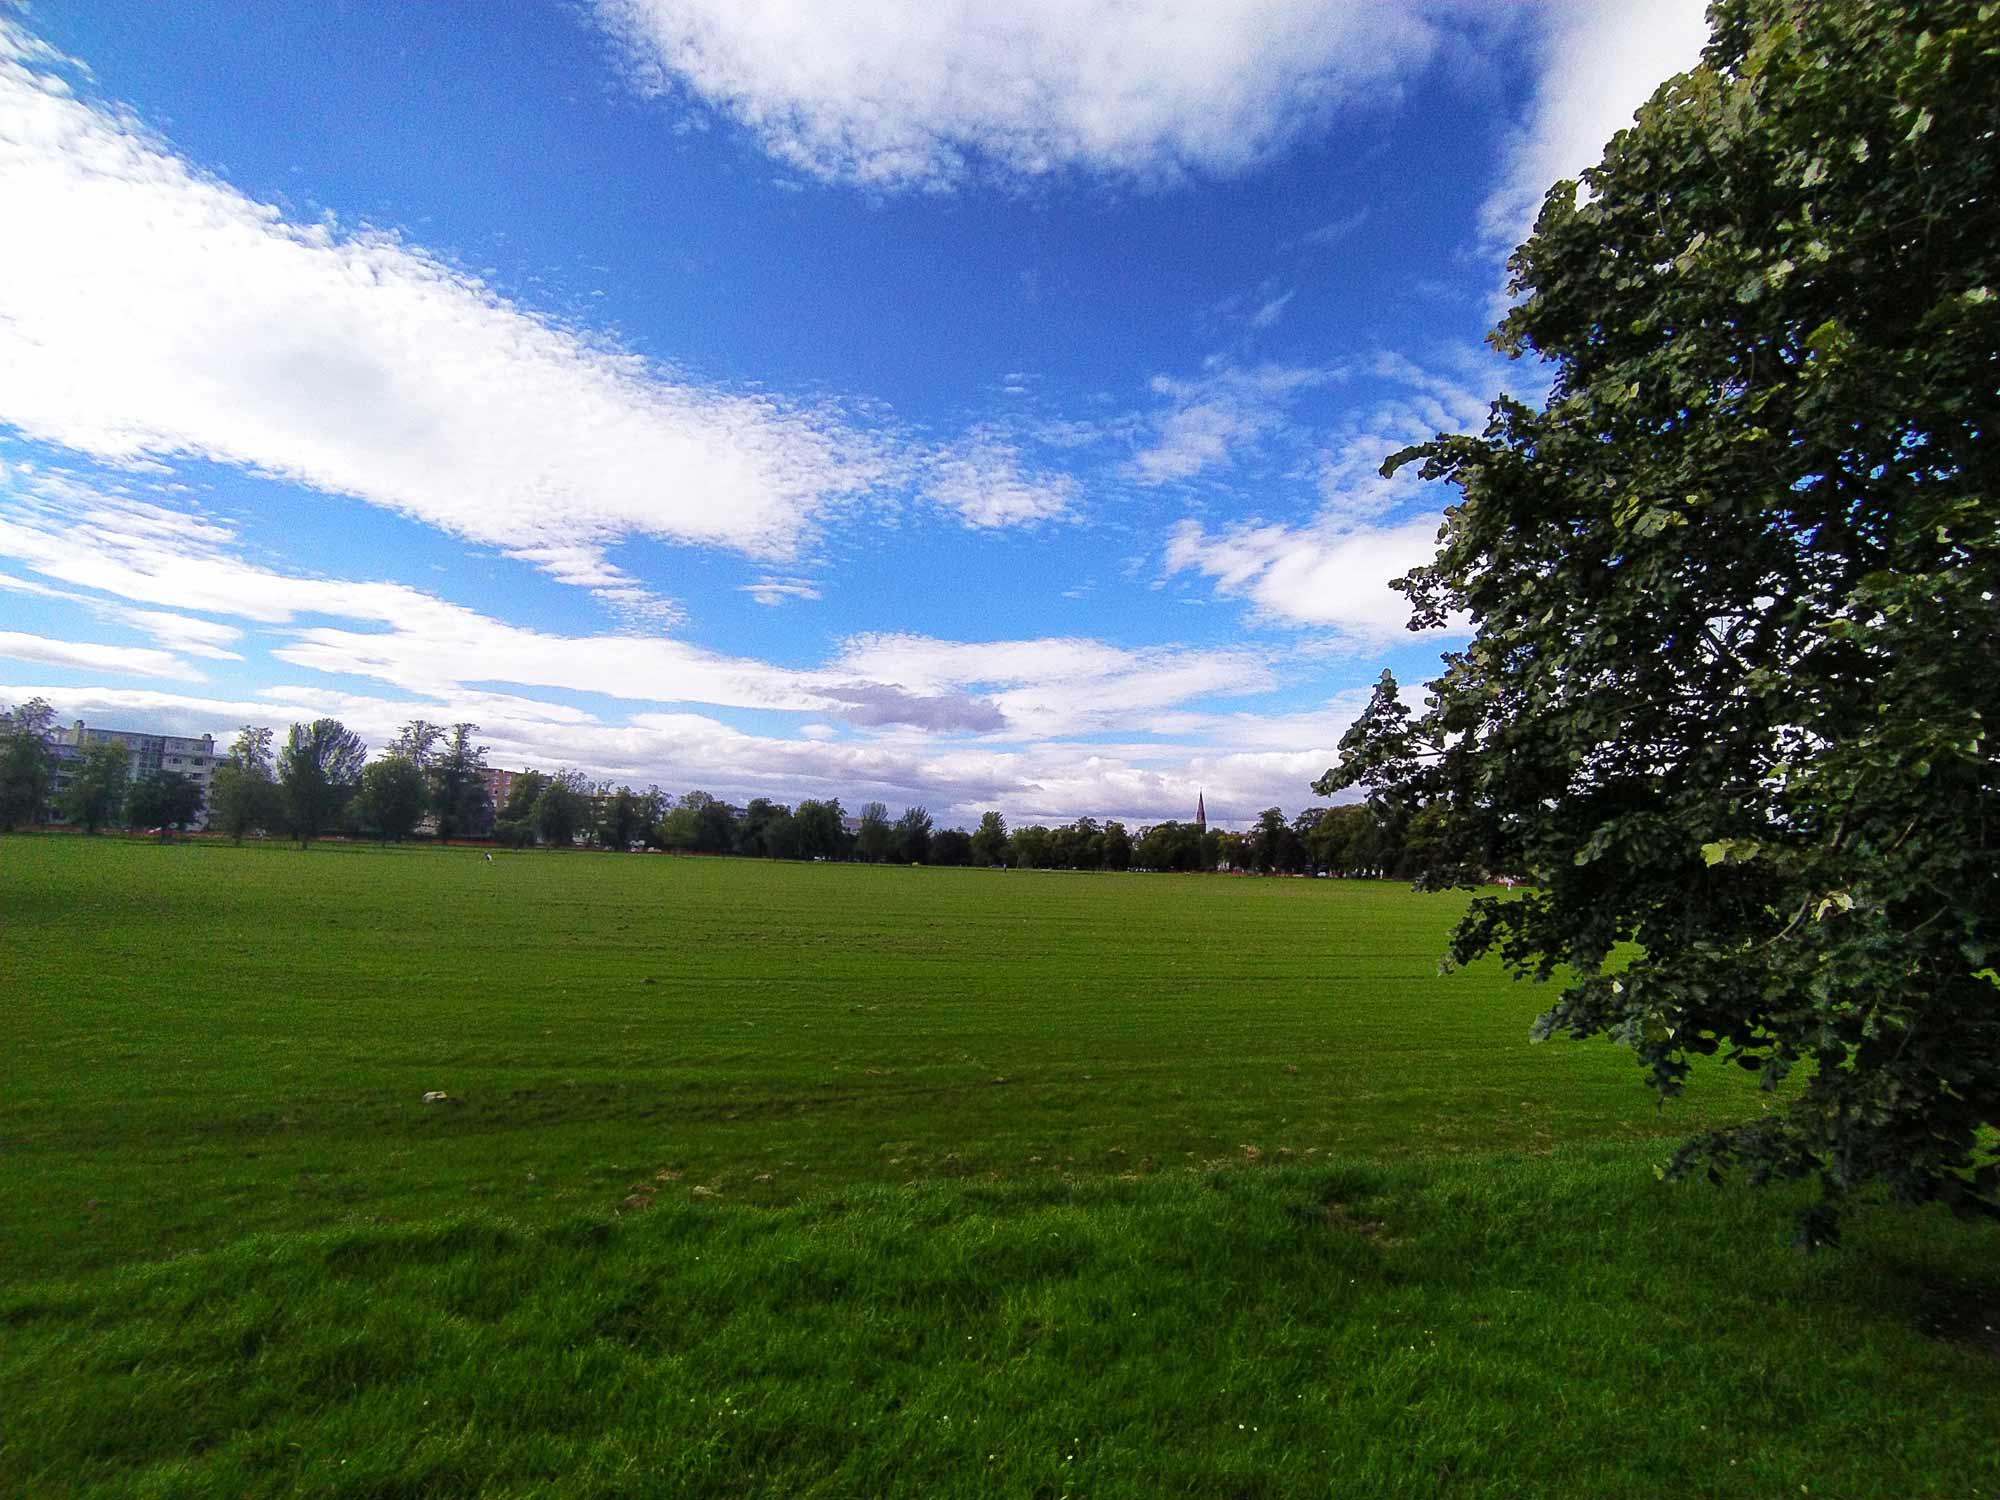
1027	459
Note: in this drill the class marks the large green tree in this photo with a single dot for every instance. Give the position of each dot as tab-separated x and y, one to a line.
166	800
1736	593
457	773
243	792
913	836
392	797
563	808
876	838
317	772
989	840
27	768
96	791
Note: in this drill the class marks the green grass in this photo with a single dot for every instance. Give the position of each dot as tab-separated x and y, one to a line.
836	1180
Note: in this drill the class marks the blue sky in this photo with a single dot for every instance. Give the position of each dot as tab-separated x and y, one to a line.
941	403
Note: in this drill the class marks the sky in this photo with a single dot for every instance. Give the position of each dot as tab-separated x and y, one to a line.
918	401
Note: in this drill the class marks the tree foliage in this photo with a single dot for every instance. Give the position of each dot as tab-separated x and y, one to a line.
989	840
1731	695
457	774
392	798
563	808
876	838
317	772
96	791
243	792
26	766
166	800
913	836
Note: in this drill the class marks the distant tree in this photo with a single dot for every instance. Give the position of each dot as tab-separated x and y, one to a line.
951	846
252	748
522	795
1232	851
96	791
27	765
318	771
1174	846
989	840
1303	827
514	833
1117	847
243	792
417	742
623	820
165	800
1274	846
1031	848
391	799
821	834
779	837
562	810
459	798
758	815
913	837
877	837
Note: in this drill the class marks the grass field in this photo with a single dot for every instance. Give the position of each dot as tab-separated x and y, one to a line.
808	1179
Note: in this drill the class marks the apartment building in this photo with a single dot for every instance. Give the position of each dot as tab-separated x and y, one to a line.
193	758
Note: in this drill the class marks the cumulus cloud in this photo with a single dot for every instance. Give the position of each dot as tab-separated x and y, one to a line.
1332	575
150	311
901	94
1602	59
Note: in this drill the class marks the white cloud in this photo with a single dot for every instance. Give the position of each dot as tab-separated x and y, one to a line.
1217	415
775	591
918	93
1602	60
1330	574
149	311
180	633
421	644
1326	235
1271	311
984	483
132	661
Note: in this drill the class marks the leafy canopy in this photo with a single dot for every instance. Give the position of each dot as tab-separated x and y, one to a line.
1732	691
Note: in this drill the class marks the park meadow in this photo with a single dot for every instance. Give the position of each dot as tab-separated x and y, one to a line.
793	1179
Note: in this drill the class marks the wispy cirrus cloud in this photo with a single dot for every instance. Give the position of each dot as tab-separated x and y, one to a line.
1217	415
921	94
772	592
130	661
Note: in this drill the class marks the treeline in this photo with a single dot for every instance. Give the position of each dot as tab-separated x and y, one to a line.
432	778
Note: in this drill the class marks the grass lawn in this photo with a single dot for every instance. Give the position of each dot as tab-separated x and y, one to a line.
807	1179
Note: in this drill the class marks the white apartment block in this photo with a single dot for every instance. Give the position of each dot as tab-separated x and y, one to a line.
193	758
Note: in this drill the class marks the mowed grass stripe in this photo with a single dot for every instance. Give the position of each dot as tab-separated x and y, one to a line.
805	1180
204	1040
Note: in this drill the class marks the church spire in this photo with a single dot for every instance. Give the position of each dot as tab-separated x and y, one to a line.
1201	812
